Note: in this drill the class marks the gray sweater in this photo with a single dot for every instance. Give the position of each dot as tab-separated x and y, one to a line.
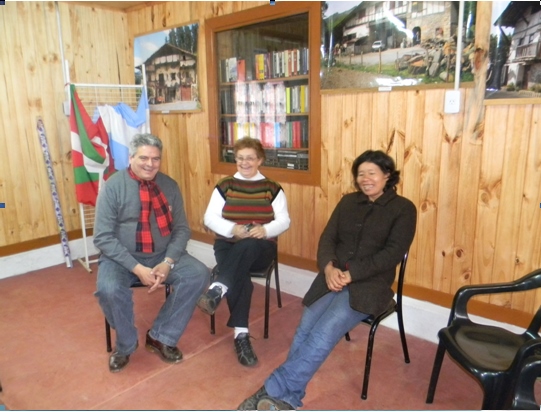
117	213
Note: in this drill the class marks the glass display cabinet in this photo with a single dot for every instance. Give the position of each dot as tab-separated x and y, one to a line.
263	82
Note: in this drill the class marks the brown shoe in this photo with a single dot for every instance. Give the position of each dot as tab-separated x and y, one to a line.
250	404
268	403
118	362
169	354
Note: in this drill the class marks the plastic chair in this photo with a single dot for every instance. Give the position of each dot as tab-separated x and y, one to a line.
506	364
394	306
266	274
137	284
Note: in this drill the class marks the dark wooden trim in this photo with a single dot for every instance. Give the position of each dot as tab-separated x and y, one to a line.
475	307
486	310
39	243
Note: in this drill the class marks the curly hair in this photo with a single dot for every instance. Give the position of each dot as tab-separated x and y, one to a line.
250	143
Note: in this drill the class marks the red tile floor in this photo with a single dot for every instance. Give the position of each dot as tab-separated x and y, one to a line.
53	357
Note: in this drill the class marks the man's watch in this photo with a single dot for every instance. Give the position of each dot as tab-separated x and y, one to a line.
171	264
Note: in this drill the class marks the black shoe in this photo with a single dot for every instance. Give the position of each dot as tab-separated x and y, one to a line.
208	302
250	404
245	352
268	403
118	362
169	354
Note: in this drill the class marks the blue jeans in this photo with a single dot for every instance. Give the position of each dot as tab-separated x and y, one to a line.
188	280
322	325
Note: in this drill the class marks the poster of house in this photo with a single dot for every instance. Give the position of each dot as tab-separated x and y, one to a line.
514	69
168	60
385	44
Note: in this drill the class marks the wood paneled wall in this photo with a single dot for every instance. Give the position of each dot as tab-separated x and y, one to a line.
96	45
474	176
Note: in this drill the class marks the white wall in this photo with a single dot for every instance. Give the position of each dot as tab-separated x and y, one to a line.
421	319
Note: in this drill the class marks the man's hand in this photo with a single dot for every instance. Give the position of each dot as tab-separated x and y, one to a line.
152	277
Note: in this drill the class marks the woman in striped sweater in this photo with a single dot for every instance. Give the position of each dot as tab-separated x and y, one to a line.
247	212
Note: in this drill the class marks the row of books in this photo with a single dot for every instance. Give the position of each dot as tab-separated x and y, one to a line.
283	159
292	134
271	100
262	66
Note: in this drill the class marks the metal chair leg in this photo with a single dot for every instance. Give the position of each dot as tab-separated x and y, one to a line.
267	303
277	282
402	335
440	353
212	325
368	361
108	336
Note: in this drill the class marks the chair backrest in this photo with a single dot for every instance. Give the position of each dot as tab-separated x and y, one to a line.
401	275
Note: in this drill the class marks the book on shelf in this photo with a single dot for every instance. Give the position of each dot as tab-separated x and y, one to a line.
302	99
249	67
269	102
241	98
260	66
232	69
241	70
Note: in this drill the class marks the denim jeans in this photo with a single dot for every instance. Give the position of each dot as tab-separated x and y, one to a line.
188	280
322	326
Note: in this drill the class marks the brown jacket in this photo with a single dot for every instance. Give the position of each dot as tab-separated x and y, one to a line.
369	239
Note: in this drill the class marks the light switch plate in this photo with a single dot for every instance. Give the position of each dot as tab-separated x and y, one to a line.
452	101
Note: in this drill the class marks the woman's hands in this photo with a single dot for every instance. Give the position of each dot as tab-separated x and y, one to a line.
336	279
245	231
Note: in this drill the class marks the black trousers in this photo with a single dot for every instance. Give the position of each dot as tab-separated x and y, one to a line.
235	261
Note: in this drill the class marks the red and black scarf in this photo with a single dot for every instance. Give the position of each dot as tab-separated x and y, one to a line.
151	195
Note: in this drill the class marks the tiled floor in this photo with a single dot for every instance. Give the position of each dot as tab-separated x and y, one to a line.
53	357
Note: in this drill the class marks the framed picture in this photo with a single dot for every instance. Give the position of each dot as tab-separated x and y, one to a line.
168	61
384	44
514	70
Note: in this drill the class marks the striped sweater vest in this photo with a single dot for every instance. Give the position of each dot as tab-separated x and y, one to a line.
248	201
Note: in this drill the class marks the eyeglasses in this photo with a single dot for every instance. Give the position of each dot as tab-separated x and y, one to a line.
245	159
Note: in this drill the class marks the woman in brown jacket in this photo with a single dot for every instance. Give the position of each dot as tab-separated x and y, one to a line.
367	235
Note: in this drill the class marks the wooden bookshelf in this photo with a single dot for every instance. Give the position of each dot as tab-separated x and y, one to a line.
263	82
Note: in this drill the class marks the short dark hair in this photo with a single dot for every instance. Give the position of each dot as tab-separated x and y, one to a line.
250	143
383	161
144	139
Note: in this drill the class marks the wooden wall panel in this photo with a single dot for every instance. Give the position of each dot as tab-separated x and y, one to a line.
475	176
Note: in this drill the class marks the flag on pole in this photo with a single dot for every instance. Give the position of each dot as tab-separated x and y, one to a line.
122	123
92	161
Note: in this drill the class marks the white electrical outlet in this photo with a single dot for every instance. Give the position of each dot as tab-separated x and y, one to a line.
452	101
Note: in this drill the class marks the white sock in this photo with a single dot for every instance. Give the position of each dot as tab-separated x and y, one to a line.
224	288
238	331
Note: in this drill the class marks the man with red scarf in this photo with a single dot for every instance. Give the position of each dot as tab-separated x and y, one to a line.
141	231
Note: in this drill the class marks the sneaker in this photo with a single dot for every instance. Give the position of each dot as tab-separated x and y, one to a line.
268	403
245	352
209	301
250	404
